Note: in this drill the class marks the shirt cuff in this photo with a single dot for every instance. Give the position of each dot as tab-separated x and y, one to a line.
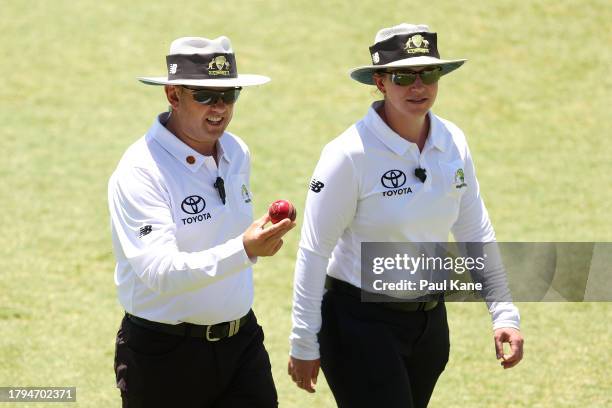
303	349
252	260
505	314
236	258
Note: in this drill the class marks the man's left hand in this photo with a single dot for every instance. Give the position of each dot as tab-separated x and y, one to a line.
515	339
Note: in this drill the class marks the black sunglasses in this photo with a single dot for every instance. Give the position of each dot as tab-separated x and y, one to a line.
405	78
210	97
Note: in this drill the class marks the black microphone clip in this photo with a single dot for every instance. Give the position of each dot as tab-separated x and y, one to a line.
421	174
220	186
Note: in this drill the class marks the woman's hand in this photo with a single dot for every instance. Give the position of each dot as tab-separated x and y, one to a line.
515	339
304	373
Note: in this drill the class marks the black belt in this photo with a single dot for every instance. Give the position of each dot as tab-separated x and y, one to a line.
213	332
346	288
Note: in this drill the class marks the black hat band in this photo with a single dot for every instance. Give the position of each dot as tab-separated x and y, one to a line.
404	46
201	66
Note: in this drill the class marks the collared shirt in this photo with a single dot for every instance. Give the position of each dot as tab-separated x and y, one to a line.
179	250
364	189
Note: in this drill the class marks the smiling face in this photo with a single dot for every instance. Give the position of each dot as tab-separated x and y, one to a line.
415	99
197	125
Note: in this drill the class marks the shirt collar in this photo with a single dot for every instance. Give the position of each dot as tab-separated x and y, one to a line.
394	141
189	157
437	135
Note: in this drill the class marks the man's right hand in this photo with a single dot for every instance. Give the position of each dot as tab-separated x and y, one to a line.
261	241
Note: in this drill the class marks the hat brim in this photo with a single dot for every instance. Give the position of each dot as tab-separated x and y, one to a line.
364	74
241	81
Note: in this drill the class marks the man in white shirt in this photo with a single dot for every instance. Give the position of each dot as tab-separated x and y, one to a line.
185	241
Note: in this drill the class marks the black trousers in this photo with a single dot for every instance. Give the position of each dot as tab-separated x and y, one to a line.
155	369
376	357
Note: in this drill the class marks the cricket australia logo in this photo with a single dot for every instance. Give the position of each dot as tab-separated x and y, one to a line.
417	44
460	179
219	65
245	194
375	58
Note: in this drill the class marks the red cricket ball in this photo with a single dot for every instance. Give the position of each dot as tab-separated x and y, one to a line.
281	209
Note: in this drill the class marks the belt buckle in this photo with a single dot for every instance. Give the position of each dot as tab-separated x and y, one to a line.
234	326
208	337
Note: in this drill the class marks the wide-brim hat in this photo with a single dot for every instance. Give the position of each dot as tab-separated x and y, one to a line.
404	46
197	61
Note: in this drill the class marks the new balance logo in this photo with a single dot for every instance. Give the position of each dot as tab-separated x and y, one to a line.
316	186
145	230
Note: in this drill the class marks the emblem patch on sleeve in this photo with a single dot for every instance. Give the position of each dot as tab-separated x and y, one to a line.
144	230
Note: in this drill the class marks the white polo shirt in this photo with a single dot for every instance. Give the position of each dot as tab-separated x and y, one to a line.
364	190
179	250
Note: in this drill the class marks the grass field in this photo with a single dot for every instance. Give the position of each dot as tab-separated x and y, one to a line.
531	99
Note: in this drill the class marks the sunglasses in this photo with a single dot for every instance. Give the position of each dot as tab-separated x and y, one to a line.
428	77
210	97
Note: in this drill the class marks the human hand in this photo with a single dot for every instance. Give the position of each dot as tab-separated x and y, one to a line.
304	373
260	241
515	339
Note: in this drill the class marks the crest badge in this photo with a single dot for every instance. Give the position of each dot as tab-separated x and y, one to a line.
417	44
219	65
460	179
245	194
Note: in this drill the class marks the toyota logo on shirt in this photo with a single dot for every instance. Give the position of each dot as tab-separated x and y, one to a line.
193	204
394	179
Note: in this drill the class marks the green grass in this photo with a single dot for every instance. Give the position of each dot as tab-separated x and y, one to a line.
533	100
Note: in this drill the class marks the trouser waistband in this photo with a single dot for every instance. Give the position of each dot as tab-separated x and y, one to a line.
346	288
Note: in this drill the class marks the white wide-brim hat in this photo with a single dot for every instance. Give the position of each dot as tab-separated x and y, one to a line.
198	61
403	46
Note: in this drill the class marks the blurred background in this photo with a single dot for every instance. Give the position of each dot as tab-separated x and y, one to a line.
533	100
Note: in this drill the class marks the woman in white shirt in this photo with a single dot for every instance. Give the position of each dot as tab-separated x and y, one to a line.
400	174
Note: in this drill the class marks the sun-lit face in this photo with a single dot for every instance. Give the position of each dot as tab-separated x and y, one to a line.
194	123
415	99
